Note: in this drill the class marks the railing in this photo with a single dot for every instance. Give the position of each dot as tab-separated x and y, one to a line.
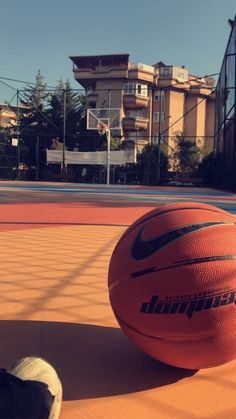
143	67
178	73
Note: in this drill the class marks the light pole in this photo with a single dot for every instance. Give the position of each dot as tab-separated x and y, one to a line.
64	138
37	158
18	134
159	139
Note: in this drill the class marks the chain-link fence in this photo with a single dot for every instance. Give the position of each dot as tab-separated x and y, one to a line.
59	123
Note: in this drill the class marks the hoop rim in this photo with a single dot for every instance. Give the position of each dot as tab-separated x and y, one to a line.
102	128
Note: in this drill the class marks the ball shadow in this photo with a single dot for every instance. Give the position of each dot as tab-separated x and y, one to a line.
92	361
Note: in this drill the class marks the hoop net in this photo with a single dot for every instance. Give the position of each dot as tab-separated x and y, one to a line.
102	128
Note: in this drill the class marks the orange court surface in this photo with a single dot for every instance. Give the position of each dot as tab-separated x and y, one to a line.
56	243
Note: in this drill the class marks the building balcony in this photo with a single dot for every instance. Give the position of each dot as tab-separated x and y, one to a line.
132	101
172	72
142	72
132	124
200	90
173	76
99	73
94	67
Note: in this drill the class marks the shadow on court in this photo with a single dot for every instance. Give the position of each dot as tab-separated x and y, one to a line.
92	361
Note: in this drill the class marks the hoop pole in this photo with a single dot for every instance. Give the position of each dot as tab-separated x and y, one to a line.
108	135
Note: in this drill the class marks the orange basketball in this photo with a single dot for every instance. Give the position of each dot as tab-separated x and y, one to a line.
172	284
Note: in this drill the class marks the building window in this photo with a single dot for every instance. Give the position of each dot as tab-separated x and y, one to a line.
159	95
155	139
136	89
142	90
132	135
136	114
180	74
128	88
166	71
159	116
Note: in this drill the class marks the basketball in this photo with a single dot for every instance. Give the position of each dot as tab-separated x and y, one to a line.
172	284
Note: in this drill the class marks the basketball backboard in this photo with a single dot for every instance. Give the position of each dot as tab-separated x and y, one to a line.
110	117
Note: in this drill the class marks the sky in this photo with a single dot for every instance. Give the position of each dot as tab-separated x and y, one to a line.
42	35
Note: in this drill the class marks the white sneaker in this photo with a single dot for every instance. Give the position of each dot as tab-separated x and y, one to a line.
38	370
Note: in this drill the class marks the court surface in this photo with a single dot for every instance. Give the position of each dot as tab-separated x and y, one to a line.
57	241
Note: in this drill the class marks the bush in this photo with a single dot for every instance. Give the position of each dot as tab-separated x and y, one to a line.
212	170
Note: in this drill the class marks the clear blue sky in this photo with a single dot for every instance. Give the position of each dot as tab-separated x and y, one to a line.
41	35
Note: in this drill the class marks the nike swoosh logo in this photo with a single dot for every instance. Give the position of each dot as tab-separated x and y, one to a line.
141	249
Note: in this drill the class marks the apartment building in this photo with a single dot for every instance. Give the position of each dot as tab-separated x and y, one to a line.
7	115
157	102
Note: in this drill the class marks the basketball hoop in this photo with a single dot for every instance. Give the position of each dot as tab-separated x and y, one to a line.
102	128
104	120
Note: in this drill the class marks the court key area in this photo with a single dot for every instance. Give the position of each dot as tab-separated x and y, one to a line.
56	244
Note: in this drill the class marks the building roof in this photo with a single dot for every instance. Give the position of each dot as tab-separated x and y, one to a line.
159	64
93	61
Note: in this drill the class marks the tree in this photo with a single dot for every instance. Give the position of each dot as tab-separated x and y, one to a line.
65	112
148	161
114	143
48	115
8	154
212	170
32	119
33	99
187	155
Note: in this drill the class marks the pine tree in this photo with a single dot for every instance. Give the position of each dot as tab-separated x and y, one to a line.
33	121
65	111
